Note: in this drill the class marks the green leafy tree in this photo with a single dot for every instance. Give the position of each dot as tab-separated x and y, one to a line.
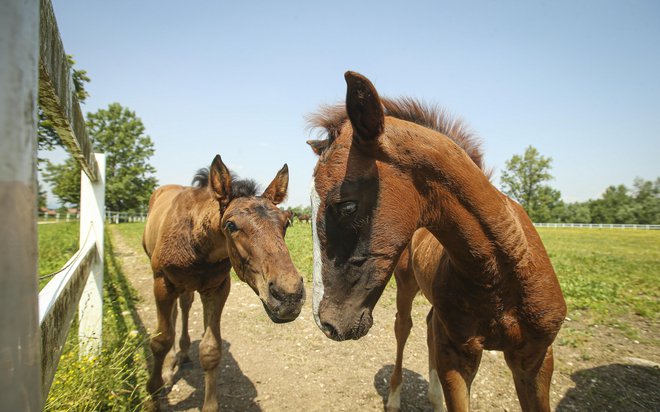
42	198
578	212
65	180
523	179
647	201
120	134
48	138
615	206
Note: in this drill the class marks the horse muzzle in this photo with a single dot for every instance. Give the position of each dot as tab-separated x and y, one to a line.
282	305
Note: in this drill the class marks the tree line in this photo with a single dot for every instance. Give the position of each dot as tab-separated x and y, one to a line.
525	178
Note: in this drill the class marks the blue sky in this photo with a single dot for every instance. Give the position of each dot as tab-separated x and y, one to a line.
579	80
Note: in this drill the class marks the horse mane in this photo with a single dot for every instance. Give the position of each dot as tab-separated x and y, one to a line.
239	187
332	117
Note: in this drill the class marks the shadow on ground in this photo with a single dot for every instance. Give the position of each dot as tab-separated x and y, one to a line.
235	391
414	391
614	387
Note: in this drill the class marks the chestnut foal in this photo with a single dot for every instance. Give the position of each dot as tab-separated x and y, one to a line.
193	236
387	169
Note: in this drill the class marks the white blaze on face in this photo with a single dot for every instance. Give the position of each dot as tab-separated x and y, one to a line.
317	280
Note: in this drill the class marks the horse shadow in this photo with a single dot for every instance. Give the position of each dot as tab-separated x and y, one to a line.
235	390
413	393
614	387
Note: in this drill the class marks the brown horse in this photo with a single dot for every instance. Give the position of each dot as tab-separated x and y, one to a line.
304	218
193	236
387	169
288	214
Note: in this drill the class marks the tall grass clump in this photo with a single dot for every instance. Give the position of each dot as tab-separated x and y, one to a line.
115	379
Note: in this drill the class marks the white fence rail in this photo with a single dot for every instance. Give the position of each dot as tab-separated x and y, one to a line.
35	325
599	226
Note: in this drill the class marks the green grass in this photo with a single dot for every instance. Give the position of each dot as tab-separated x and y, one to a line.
610	273
606	272
57	243
115	380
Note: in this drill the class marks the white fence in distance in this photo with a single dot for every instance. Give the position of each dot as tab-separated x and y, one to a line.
599	226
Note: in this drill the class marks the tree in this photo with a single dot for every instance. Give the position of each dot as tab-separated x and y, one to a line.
41	197
578	212
118	133
48	138
615	206
647	201
523	180
65	180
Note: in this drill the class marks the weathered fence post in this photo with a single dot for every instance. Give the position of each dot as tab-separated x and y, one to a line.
92	214
20	360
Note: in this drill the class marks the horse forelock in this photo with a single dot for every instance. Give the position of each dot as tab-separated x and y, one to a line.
331	118
239	187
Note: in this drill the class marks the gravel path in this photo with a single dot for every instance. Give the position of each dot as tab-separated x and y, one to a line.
294	367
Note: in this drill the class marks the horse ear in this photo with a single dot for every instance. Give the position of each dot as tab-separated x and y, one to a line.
364	107
318	146
220	179
276	191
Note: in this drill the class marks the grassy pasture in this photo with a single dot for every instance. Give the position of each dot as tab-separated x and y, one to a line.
609	273
609	277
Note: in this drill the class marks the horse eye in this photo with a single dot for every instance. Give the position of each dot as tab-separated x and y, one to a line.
231	227
347	208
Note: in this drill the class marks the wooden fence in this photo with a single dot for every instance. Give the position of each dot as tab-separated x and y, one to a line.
34	68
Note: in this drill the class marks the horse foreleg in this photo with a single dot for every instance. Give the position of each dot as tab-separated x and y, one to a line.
406	290
163	340
210	348
456	368
532	375
435	394
185	302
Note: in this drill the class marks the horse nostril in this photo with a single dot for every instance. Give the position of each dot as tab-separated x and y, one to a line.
330	331
274	292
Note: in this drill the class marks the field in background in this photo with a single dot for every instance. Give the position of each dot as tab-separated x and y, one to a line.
612	274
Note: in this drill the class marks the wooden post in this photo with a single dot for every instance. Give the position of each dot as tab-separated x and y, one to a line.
20	360
92	212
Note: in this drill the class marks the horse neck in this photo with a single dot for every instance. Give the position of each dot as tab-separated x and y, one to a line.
476	224
204	217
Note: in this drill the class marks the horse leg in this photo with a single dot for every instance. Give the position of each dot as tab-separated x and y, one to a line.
456	368
406	290
185	302
435	395
210	348
163	340
532	376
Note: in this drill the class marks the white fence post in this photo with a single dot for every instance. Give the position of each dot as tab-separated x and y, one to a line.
20	360
92	214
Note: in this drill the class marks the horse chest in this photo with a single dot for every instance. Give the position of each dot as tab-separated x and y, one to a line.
479	319
198	276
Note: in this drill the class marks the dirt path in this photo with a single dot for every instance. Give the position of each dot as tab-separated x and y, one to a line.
294	367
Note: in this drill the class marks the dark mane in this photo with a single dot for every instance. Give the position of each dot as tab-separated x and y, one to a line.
239	187
332	117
